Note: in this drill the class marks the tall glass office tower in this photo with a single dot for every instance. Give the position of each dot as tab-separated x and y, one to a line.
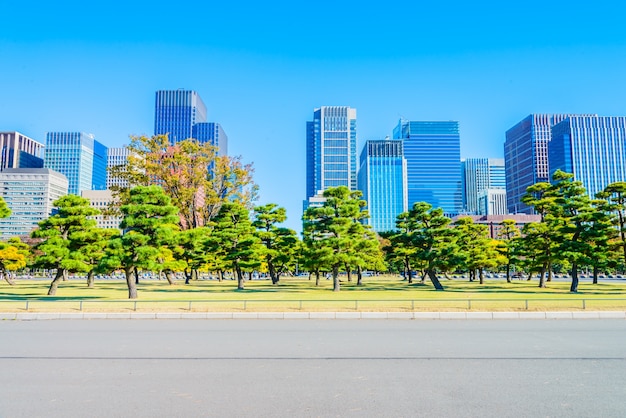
79	157
593	148
526	156
433	154
19	151
176	112
212	133
382	179
478	175
331	149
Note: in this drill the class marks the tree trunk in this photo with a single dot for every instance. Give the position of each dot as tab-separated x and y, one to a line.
336	285
433	278
481	276
272	269
317	278
7	276
136	276
241	280
446	275
90	279
595	274
64	275
220	275
423	278
574	287
508	272
169	275
132	284
542	281
359	276
407	264
55	282
349	272
187	275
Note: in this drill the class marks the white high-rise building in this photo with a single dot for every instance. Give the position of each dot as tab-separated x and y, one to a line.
29	193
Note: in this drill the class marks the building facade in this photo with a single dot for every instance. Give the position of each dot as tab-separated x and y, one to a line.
433	154
526	156
212	133
29	193
492	202
331	149
382	180
176	112
593	148
19	151
116	157
479	174
102	200
494	222
79	157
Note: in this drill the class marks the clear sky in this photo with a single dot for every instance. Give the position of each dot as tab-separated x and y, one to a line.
262	67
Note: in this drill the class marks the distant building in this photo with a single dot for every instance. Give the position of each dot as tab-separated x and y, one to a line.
331	150
19	151
433	154
116	157
176	112
494	222
79	157
29	193
382	179
593	148
212	133
480	174
492	202
526	156
102	200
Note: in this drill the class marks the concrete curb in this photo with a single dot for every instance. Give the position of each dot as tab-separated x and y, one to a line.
554	315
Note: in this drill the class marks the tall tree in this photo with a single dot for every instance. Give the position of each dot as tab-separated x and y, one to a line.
508	234
149	223
191	249
434	240
234	239
615	195
13	256
280	243
95	241
335	224
62	242
476	247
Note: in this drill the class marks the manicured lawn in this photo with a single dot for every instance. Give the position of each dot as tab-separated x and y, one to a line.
383	293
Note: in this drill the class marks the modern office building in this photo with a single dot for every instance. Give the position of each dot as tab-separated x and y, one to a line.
29	193
593	148
19	151
382	179
102	200
494	222
117	156
79	157
526	156
213	133
479	174
176	112
433	154
492	202
331	150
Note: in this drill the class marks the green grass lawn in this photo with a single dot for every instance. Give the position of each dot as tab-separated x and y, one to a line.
383	293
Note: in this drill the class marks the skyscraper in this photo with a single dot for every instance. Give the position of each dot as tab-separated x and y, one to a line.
331	149
593	148
20	151
79	157
212	133
176	112
117	156
479	174
433	154
526	156
29	193
382	179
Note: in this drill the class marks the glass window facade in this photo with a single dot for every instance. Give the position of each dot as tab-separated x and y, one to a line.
382	180
176	112
331	149
478	175
593	148
433	154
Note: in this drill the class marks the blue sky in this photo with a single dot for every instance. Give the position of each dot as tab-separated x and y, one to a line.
262	67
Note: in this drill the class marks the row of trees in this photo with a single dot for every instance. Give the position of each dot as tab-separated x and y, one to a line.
185	209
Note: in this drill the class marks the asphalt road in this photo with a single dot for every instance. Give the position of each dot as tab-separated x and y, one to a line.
310	368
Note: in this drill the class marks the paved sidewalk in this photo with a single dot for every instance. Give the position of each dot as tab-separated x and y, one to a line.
29	316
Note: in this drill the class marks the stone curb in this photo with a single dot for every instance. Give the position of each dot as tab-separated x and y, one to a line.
554	315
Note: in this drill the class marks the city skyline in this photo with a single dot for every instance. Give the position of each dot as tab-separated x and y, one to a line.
261	71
